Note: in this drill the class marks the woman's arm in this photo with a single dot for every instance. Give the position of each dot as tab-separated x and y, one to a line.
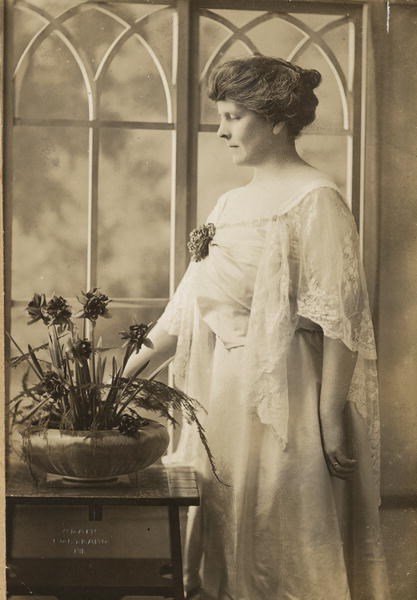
163	348
338	366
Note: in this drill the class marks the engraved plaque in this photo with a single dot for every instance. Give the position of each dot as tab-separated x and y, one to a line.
66	531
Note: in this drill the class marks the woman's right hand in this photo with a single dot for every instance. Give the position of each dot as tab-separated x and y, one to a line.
149	358
334	445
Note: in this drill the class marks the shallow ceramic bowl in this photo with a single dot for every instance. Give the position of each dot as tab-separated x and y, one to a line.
94	455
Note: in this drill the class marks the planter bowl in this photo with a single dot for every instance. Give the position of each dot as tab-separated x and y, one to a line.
93	456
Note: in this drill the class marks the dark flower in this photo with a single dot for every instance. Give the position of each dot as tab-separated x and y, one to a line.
200	239
37	309
81	349
54	312
130	424
52	385
136	336
59	311
94	305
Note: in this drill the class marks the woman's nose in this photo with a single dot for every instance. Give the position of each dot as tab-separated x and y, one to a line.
222	132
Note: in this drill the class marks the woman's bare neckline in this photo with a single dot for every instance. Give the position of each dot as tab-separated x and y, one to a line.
238	203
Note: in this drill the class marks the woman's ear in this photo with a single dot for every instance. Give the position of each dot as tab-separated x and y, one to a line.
277	128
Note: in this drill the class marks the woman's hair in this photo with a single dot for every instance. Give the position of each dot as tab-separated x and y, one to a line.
272	87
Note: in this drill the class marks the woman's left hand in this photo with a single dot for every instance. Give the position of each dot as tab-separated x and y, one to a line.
334	443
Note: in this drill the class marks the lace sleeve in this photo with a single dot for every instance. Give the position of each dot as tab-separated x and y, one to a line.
331	283
332	292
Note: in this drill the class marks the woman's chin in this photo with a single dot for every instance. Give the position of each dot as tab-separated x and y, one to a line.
239	160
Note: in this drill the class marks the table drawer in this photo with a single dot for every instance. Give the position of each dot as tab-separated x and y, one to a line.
66	531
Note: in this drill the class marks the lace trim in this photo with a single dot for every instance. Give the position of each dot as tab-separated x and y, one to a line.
340	305
271	320
355	332
253	222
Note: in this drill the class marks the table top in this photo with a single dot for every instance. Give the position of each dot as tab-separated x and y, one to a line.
156	485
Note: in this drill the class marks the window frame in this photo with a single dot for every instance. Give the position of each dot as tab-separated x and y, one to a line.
185	130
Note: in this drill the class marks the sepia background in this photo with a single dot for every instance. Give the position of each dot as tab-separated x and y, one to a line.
111	159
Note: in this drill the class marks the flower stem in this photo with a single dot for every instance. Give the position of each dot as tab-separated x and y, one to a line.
23	354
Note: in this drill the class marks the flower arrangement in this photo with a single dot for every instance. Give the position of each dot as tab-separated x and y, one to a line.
72	390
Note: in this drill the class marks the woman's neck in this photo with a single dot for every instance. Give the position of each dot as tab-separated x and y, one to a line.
284	161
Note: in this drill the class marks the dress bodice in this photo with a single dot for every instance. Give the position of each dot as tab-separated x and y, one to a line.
226	280
291	261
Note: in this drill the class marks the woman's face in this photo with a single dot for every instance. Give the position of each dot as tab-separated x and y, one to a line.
248	135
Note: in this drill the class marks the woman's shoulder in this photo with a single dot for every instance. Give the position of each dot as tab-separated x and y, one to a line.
323	209
322	196
220	204
312	180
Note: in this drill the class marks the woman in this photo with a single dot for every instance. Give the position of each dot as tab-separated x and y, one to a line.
272	333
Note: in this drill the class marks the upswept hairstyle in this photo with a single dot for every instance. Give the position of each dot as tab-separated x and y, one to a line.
272	87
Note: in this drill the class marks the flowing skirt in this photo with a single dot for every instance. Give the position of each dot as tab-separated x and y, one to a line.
282	528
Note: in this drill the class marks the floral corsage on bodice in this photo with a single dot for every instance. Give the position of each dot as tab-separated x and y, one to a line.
200	239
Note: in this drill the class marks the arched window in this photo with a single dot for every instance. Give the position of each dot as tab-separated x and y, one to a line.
110	153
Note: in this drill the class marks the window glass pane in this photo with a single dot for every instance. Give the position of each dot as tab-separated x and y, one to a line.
54	8
133	86
158	31
238	17
131	11
26	24
330	111
49	210
315	21
211	35
276	37
340	40
94	32
328	153
134	212
52	86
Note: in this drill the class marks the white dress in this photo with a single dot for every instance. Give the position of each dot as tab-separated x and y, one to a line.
250	319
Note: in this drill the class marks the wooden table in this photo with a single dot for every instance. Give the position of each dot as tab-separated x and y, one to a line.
102	578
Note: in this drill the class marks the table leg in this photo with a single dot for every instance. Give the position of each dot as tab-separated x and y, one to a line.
176	551
10	506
